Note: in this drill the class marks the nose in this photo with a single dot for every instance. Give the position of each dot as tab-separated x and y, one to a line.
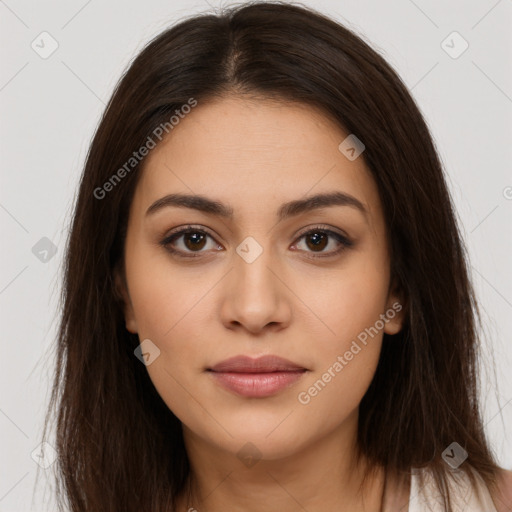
255	295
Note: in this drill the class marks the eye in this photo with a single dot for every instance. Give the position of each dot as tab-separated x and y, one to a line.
189	242
319	237
194	240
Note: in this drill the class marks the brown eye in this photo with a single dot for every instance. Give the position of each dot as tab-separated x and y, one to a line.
318	239
191	242
185	242
194	241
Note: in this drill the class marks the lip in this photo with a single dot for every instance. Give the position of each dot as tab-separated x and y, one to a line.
256	377
263	364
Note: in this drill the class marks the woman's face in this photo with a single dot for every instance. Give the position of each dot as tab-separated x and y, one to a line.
254	284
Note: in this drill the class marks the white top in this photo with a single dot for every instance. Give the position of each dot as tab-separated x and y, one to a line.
464	497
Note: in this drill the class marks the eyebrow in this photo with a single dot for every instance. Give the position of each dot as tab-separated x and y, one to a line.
286	210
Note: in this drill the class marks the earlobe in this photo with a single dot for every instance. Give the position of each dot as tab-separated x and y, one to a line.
124	298
394	323
395	311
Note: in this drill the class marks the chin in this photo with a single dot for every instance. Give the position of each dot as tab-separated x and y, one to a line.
256	443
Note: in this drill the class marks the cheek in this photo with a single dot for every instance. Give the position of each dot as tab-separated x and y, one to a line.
333	394
343	303
349	306
163	296
170	308
346	361
174	322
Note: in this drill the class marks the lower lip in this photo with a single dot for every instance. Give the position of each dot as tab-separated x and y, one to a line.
257	385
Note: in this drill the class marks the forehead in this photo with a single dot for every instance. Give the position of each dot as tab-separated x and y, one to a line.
251	153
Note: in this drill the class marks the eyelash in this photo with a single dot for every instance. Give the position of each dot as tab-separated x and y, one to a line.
166	242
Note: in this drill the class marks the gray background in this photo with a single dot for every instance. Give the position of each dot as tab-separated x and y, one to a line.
50	107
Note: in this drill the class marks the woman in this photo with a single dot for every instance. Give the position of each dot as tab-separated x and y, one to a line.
266	301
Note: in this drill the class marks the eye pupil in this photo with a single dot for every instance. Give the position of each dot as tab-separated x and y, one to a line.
196	238
319	240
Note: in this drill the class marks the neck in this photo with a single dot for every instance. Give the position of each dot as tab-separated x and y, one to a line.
326	474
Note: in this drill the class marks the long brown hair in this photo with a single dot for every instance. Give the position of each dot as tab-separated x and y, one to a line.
119	446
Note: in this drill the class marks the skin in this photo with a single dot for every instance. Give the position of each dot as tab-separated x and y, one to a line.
501	493
255	155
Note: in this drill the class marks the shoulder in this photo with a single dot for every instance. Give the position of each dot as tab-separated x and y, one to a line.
502	495
466	496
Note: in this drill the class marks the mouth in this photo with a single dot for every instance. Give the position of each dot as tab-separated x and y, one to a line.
256	378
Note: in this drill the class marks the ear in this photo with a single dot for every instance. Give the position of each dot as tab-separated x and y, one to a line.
395	309
121	290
